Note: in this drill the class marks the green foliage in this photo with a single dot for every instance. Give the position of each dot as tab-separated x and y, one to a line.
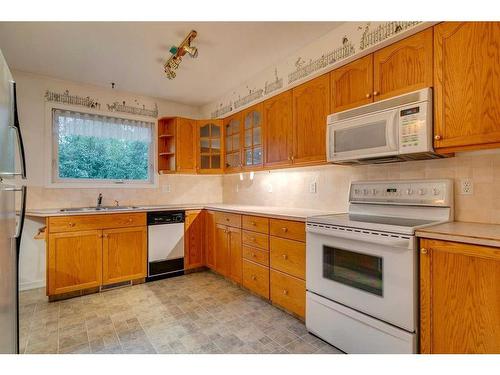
102	158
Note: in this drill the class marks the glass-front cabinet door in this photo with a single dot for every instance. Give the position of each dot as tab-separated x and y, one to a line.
252	137
209	146
232	138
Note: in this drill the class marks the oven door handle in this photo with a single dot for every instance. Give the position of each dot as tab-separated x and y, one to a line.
401	242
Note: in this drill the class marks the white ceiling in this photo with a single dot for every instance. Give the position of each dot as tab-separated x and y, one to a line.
132	54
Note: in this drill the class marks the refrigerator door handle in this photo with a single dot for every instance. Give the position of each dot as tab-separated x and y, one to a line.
22	216
17	128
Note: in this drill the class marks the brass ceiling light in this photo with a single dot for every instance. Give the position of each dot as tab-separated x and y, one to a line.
178	52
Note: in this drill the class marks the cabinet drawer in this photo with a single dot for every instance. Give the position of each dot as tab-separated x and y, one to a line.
91	222
258	240
288	256
256	278
226	218
288	292
256	224
293	230
256	255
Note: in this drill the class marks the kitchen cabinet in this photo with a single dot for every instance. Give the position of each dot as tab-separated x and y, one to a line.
221	250
288	292
124	254
167	130
253	153
278	139
235	254
256	278
194	237
210	239
74	261
352	84
467	86
88	251
459	298
403	66
232	139
228	251
210	147
185	149
311	106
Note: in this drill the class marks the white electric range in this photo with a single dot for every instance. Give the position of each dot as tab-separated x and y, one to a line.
362	266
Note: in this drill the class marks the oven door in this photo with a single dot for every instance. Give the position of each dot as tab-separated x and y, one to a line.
371	272
370	136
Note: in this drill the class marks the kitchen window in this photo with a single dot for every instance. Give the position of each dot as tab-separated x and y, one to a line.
93	148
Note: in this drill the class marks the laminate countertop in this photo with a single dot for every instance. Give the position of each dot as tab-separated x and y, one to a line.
459	231
297	214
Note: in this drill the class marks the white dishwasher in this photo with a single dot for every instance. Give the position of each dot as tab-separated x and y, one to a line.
165	244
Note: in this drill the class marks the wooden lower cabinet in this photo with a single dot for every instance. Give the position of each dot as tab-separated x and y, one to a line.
256	278
74	261
288	292
210	239
235	254
288	256
459	298
124	254
194	237
221	250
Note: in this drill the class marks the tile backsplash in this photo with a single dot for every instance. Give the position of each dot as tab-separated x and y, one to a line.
291	187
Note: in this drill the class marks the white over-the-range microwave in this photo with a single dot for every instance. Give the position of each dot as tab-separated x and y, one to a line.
391	130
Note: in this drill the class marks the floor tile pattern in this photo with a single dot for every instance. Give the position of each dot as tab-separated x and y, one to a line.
196	313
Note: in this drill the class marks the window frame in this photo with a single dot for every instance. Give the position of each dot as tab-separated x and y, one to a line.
52	160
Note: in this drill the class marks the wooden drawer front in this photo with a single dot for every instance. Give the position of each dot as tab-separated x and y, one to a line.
256	255
226	218
256	224
256	278
293	230
288	256
288	292
258	240
91	222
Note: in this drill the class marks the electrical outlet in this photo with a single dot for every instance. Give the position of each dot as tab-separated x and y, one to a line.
466	186
313	187
166	188
237	188
269	188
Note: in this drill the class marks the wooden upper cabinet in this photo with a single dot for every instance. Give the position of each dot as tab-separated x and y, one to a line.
311	106
467	85
404	66
74	261
210	149
352	84
232	139
459	298
194	235
253	137
185	153
278	138
124	254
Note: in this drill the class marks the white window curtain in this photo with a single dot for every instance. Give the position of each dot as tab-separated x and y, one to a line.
67	123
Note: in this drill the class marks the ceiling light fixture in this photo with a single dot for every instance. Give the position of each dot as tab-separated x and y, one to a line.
178	52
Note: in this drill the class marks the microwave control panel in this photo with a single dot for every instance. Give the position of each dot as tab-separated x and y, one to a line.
414	129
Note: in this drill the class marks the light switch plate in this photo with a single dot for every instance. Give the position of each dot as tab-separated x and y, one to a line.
166	188
466	186
313	187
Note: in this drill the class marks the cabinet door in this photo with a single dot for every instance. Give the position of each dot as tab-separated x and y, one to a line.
193	239
232	139
210	239
253	125
311	106
404	66
352	84
221	250
278	130
467	85
235	254
185	146
210	146
74	261
124	254
459	298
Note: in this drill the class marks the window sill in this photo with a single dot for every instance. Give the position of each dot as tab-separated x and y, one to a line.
87	185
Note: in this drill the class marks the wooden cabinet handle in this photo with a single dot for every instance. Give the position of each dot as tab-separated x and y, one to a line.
253	255
254	277
71	224
285	257
130	220
252	239
227	219
423	250
284	229
375	93
253	223
285	292
368	95
437	137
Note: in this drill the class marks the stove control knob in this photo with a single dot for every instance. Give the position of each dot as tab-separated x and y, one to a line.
357	191
409	191
421	191
374	191
366	191
435	191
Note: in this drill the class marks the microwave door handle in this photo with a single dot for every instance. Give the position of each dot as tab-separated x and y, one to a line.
395	132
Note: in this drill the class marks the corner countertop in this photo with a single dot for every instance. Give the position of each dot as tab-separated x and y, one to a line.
288	213
459	231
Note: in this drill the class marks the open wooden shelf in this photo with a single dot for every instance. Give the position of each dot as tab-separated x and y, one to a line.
166	144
